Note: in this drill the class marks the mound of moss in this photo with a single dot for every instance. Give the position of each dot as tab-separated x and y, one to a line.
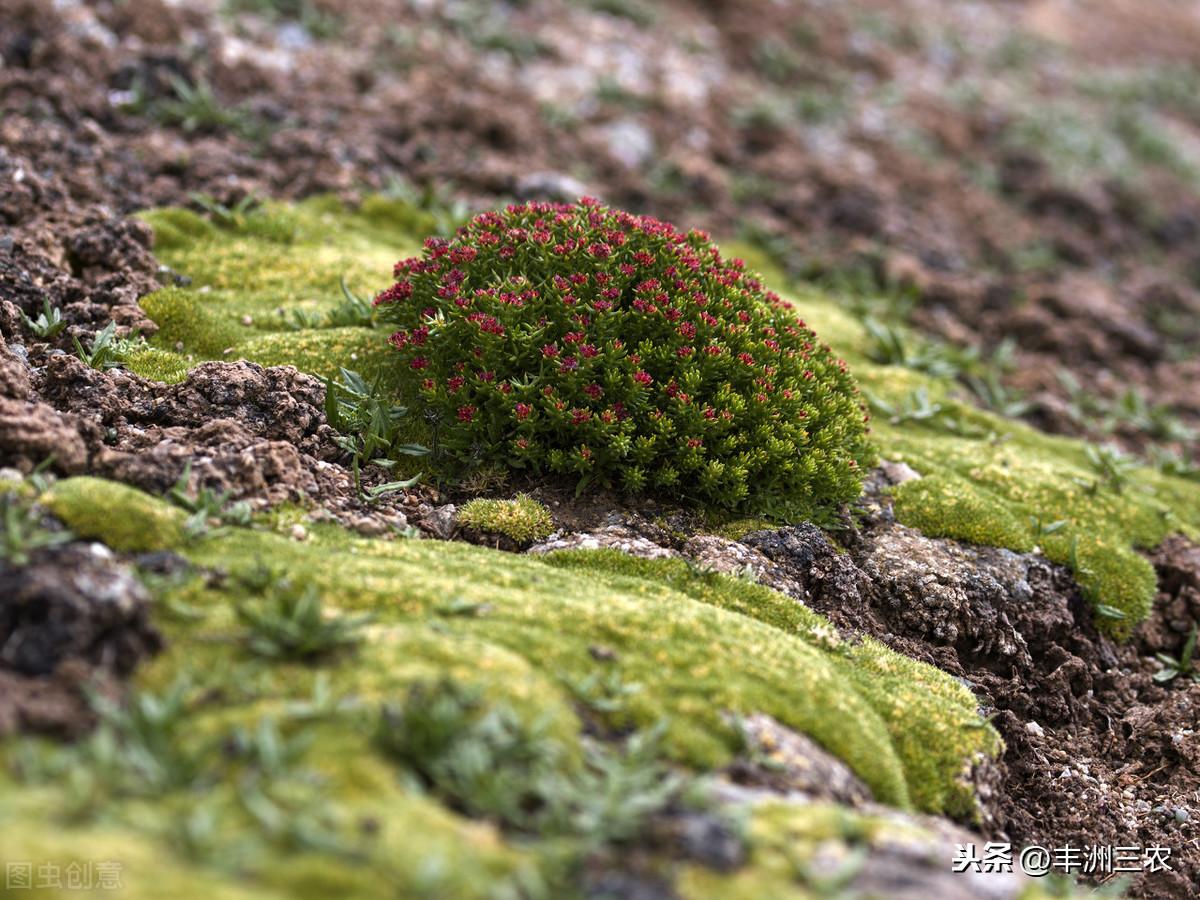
766	655
996	481
278	285
522	519
229	764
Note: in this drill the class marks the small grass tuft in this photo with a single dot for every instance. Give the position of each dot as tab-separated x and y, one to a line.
1184	664
49	322
23	530
291	623
105	350
206	505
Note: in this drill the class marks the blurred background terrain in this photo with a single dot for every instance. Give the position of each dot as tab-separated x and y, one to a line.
1010	170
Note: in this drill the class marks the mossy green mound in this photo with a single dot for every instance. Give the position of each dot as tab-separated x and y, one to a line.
930	717
266	285
995	481
741	649
701	648
522	519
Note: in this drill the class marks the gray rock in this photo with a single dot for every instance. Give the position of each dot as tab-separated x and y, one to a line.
630	143
438	520
614	537
555	186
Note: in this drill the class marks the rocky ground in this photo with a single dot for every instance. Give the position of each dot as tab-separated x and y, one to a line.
975	172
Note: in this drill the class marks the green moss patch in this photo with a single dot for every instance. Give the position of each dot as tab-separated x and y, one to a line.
684	649
995	481
262	285
695	660
123	517
931	719
1014	487
522	519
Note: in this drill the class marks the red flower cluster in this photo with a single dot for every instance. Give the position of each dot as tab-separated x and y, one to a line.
575	338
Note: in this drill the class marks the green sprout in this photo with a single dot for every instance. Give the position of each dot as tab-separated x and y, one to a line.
105	351
370	426
293	625
1113	466
889	345
22	532
915	406
1183	665
48	323
206	505
354	311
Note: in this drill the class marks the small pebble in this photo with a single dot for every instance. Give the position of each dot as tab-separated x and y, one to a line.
299	532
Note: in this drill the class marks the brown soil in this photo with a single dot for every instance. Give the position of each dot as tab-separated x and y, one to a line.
72	620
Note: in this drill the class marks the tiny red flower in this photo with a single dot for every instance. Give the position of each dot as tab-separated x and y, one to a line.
401	290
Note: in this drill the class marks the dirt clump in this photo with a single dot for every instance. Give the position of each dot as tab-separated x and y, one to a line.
74	619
